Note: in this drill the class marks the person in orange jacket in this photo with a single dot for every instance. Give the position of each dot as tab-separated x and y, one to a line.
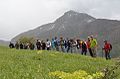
88	46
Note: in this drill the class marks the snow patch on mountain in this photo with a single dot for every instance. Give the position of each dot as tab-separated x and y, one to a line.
50	28
53	26
89	21
61	28
41	28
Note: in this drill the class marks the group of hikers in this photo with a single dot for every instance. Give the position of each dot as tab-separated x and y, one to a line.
67	45
30	46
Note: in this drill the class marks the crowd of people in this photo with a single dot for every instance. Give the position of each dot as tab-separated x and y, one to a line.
67	45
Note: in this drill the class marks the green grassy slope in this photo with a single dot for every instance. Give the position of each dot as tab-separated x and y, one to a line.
26	64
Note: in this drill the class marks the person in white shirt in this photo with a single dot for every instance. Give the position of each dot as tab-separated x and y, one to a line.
48	44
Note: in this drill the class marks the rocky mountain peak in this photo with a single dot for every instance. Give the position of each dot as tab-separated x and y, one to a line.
74	16
71	12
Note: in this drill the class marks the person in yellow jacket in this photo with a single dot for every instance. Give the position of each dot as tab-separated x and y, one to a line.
93	46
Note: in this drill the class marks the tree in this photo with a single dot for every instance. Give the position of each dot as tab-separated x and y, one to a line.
26	40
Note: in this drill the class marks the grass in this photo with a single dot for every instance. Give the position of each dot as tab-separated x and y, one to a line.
26	64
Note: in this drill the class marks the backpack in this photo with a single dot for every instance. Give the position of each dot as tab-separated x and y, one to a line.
56	42
110	47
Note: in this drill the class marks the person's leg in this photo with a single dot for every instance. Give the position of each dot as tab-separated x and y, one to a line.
109	55
85	51
65	47
90	51
82	52
48	48
62	48
68	48
106	55
57	48
94	52
71	49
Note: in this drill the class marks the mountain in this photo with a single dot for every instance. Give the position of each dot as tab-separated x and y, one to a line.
79	25
66	26
4	43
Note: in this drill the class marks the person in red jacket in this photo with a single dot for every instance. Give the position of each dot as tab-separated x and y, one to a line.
107	48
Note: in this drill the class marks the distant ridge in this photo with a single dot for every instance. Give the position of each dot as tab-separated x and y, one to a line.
4	43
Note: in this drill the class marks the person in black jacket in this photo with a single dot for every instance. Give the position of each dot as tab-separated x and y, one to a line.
21	46
84	48
32	46
11	45
43	45
17	45
70	45
38	44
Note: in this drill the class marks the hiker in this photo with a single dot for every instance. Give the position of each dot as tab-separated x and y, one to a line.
53	44
70	45
48	44
31	46
74	43
17	45
43	45
93	46
78	44
56	42
84	48
65	43
107	48
21	46
26	46
38	44
11	45
88	46
62	44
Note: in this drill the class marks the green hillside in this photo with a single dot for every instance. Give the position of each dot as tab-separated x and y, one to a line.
26	64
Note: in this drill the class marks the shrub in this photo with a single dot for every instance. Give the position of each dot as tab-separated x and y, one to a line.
76	75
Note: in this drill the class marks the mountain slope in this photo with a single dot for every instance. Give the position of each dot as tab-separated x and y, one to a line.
79	25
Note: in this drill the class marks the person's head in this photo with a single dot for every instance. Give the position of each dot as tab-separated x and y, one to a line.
52	39
55	37
37	40
71	40
88	38
83	41
105	41
61	38
91	37
47	39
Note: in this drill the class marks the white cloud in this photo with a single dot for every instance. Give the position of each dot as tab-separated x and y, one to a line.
17	16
